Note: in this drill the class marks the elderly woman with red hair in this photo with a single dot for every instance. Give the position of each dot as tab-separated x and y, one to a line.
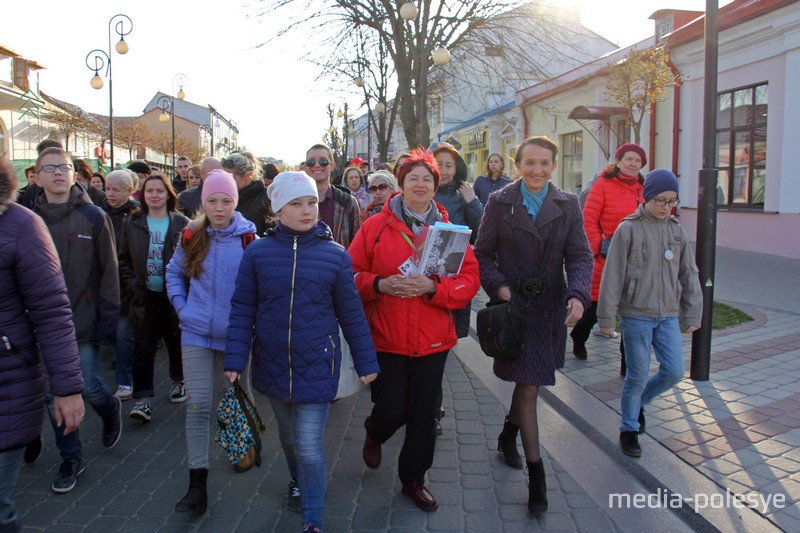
411	322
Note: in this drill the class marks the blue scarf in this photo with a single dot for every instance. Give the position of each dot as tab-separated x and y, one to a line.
533	201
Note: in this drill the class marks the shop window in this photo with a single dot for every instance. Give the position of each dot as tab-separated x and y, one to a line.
742	146
572	161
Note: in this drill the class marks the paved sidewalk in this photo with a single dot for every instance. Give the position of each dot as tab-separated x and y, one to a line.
739	430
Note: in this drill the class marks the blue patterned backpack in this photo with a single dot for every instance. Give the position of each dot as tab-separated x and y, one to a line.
240	427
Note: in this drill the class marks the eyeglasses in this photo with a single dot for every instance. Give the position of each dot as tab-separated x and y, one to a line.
375	188
322	162
50	169
661	203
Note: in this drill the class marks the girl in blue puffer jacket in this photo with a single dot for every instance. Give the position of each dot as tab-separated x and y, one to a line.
299	283
200	281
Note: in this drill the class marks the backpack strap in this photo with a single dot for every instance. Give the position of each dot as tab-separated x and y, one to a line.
187	236
247	238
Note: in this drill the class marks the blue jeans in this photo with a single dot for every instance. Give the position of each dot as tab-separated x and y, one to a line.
95	393
9	470
124	349
639	334
301	427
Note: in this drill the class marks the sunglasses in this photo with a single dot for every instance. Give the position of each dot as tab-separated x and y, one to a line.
322	162
375	188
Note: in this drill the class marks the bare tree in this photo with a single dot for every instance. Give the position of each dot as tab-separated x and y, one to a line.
68	123
639	82
131	134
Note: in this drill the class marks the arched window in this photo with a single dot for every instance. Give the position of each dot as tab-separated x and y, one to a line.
3	147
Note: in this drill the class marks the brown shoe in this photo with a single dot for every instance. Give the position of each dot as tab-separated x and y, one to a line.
371	452
421	495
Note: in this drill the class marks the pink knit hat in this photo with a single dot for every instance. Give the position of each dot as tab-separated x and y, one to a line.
219	181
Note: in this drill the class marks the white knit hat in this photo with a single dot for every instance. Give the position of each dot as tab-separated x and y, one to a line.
290	185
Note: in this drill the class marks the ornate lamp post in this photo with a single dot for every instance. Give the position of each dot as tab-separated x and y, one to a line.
119	23
167	105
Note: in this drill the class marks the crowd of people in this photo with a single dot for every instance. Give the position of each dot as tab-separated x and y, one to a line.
135	259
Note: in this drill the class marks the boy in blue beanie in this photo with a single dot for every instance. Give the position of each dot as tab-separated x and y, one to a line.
650	279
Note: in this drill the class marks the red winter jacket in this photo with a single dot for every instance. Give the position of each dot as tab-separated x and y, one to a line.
407	326
609	201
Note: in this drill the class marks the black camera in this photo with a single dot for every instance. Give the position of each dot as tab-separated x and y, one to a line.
531	287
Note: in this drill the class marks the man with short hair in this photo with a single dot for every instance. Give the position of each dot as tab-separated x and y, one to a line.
337	207
84	239
179	181
189	200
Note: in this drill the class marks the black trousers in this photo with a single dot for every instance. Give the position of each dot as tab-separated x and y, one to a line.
404	393
160	321
583	327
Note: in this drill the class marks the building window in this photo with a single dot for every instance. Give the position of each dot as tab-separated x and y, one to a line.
572	161
742	146
663	29
623	132
3	150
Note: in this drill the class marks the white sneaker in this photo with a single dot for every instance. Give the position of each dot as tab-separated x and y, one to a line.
178	393
599	333
124	392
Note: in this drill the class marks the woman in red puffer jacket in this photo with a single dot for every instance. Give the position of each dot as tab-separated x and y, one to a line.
616	193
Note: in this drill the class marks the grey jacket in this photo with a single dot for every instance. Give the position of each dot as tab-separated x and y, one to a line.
650	272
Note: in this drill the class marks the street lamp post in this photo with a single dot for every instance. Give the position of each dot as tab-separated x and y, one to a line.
210	131
167	102
118	22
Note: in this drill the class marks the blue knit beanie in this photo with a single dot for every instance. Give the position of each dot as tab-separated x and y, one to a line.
658	181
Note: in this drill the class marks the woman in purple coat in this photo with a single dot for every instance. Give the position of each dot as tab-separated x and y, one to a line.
36	331
519	224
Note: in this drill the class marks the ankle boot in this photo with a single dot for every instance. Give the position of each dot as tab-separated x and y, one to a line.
507	445
537	488
196	498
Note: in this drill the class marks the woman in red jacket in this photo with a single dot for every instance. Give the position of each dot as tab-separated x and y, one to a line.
411	322
616	193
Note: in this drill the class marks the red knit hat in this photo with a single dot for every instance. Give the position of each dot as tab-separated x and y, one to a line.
631	147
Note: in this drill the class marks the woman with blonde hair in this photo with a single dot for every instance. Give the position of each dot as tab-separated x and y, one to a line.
253	200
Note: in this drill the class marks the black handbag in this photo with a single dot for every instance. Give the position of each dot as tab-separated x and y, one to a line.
502	325
501	329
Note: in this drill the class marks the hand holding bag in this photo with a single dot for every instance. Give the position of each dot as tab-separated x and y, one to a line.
240	426
501	329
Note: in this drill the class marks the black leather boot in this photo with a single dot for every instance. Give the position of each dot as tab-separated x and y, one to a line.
537	488
507	445
196	498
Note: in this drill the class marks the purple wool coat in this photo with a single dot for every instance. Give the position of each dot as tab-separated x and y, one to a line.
503	256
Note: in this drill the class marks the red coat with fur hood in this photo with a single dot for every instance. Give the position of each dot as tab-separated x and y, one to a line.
610	200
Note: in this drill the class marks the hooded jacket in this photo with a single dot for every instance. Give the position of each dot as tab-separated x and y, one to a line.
36	326
84	237
254	204
203	303
609	201
412	327
293	292
134	246
650	272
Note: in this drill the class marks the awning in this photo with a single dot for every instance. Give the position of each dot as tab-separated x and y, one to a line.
583	112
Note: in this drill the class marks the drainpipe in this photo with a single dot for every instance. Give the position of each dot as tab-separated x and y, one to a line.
525	121
676	114
652	137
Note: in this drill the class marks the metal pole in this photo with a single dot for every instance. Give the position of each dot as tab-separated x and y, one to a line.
424	127
172	109
707	200
110	98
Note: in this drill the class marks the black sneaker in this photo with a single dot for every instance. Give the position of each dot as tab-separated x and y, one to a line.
112	425
629	441
178	392
67	476
438	427
141	411
294	497
642	424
